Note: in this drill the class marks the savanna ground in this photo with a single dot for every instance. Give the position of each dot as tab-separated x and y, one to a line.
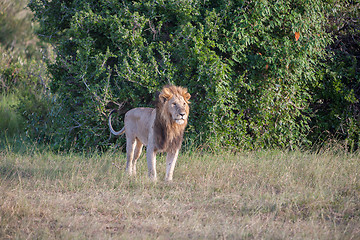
250	195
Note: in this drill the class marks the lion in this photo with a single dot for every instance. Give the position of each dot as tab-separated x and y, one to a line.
161	129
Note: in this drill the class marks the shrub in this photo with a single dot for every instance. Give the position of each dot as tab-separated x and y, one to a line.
16	31
336	94
249	65
11	122
25	98
25	101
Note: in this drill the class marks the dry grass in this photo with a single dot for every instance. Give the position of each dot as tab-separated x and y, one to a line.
256	195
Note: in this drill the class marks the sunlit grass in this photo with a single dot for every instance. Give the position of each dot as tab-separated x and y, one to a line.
252	195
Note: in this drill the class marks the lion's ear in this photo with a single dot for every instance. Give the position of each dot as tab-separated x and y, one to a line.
162	98
165	95
187	96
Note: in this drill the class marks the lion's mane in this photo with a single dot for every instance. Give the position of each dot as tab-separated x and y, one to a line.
168	134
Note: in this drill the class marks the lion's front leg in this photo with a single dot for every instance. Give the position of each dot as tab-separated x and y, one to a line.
151	162
171	158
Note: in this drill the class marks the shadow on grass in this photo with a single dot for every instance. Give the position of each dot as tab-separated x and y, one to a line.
10	172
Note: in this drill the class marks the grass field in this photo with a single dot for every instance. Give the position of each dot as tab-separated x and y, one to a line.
252	195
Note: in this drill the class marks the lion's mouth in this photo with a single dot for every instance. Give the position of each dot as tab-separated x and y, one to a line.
180	121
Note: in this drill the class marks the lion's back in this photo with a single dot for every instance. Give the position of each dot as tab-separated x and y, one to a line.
139	113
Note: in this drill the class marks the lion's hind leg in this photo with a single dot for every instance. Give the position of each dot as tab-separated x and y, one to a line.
137	153
130	148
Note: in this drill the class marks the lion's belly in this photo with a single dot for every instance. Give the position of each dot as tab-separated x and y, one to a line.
143	140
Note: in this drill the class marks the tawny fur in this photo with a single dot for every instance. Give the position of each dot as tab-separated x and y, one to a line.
160	129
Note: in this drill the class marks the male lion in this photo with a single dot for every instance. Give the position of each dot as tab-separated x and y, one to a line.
161	129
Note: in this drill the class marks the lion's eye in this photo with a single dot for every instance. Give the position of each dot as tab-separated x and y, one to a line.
174	104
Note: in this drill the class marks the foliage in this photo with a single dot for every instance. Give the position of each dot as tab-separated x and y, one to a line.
249	65
336	98
16	31
10	122
24	94
25	97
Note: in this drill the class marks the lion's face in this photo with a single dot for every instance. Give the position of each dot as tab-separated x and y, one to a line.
178	109
175	101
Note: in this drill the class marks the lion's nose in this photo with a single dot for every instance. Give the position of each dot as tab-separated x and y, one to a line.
182	114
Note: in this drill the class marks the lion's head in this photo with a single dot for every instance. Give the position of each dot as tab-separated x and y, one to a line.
174	102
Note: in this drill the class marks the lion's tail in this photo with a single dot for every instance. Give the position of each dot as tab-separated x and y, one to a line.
111	128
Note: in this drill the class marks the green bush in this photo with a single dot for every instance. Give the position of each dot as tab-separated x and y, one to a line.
247	73
336	95
11	122
251	66
16	29
25	100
